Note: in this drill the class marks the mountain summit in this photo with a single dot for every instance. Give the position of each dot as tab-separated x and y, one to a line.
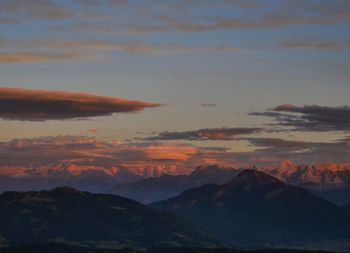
257	208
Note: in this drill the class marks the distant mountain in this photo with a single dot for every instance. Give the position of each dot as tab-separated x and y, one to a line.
158	182
255	208
159	188
329	180
81	175
90	179
67	215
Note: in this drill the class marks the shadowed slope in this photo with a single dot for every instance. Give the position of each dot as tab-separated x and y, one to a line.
255	208
71	215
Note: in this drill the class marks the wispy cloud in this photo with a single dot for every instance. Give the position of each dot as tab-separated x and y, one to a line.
43	9
310	44
205	134
133	47
67	155
62	156
40	105
274	150
208	105
7	58
284	13
310	117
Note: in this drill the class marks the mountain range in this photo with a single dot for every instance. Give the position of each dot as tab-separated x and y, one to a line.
257	209
159	188
68	215
153	183
330	181
81	175
250	210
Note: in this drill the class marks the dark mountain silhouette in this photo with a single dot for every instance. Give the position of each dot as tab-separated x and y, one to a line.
346	207
337	196
255	208
66	248
159	188
65	214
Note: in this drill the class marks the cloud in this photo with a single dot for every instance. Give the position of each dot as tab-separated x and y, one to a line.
320	45
208	105
133	47
170	152
179	16
42	9
285	13
310	117
7	20
93	130
40	105
64	156
273	150
2	41
67	155
39	57
205	134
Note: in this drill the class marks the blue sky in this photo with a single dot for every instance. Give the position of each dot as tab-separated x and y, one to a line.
241	56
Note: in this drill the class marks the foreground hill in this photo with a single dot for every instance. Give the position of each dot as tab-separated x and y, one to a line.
255	208
67	215
65	248
159	188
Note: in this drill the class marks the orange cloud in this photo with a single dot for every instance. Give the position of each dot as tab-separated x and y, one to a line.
39	105
93	130
39	57
169	152
64	156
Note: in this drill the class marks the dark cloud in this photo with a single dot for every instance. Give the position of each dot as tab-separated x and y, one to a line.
40	105
205	134
273	150
310	117
208	105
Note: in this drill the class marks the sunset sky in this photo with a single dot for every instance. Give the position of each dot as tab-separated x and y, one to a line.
234	82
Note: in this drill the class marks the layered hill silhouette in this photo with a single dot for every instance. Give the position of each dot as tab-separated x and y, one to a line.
68	215
255	208
66	248
160	188
330	181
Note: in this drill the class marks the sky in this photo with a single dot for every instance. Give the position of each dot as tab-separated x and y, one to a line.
235	82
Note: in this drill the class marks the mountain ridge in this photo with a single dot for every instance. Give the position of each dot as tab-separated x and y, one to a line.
256	207
65	213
